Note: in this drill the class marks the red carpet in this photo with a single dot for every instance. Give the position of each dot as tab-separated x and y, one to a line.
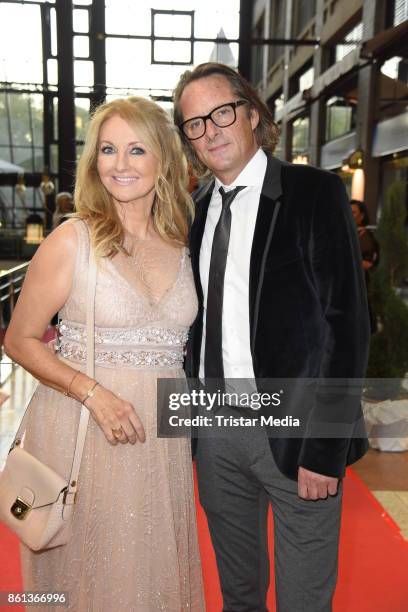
10	576
373	575
373	569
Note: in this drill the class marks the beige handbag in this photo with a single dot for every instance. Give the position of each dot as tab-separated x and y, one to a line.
36	503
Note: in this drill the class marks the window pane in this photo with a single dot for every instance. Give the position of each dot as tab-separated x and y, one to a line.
120	54
52	71
53	24
172	25
306	79
352	39
20	62
54	159
257	51
300	141
55	117
5	154
81	46
177	51
4	130
400	11
37	114
38	160
128	17
305	10
83	73
80	20
202	52
23	156
26	116
82	106
19	218
277	25
6	206
208	21
20	124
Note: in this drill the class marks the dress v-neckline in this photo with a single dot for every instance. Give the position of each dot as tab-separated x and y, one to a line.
142	295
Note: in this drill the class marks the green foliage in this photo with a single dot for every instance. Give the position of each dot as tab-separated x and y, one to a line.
392	236
389	347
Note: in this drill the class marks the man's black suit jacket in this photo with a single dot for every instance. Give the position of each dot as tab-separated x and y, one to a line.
308	312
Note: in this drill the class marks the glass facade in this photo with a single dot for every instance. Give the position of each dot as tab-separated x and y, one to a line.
300	139
351	41
29	94
340	117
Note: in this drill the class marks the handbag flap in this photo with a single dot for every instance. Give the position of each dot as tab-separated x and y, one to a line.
32	480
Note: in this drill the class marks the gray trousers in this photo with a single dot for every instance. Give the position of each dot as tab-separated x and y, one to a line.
237	478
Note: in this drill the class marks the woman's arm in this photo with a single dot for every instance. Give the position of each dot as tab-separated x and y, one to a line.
45	290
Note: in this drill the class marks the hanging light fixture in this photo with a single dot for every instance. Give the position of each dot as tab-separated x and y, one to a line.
34	228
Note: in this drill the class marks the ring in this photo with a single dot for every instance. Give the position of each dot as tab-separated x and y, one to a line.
117	432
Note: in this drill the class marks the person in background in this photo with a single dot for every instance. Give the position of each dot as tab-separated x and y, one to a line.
370	249
64	205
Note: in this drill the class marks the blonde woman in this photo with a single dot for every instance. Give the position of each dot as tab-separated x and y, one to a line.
135	544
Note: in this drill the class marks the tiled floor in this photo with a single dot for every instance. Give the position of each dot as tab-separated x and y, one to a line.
385	473
396	504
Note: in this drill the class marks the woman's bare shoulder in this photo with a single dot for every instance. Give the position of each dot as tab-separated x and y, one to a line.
61	243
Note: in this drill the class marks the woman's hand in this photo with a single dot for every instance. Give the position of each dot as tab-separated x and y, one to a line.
113	414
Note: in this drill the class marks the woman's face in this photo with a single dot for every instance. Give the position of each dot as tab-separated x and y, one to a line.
125	166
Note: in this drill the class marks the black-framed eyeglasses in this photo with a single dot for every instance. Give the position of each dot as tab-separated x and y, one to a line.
222	117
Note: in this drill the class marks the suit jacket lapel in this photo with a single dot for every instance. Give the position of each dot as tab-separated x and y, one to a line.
202	201
269	205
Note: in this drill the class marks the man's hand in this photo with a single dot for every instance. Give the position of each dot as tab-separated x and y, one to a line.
315	486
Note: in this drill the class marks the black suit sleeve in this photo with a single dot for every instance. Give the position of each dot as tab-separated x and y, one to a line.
338	277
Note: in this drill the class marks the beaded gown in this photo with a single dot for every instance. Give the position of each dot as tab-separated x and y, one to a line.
134	546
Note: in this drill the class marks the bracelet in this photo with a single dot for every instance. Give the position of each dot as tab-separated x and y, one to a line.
68	389
90	393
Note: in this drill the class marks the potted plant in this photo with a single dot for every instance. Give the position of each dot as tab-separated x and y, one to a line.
389	346
385	397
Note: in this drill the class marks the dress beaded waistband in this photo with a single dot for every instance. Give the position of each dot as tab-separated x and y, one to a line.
131	347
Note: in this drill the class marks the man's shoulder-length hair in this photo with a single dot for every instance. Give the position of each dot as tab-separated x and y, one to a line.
266	133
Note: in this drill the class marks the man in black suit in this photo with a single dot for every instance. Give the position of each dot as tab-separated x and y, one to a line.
278	274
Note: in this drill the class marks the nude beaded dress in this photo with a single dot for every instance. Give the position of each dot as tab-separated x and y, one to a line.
134	545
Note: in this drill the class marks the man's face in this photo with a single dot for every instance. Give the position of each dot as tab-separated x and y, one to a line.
225	151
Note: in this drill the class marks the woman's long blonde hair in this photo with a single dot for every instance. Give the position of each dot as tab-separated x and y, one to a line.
172	209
